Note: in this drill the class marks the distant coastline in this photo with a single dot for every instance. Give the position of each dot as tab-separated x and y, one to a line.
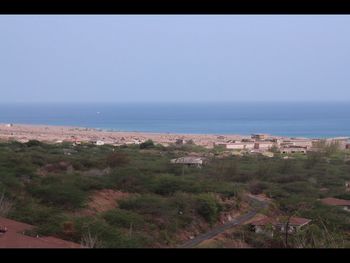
290	119
257	143
55	133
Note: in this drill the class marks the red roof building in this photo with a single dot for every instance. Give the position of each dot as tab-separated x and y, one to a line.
13	236
337	202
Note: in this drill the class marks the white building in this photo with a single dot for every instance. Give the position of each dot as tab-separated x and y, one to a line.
263	145
240	146
189	161
293	150
99	143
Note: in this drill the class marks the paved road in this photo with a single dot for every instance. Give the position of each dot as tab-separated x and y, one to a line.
220	229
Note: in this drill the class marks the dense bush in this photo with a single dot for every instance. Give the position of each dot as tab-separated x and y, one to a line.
107	236
48	220
66	195
147	144
164	202
256	187
32	143
146	204
123	218
208	207
169	184
117	159
128	179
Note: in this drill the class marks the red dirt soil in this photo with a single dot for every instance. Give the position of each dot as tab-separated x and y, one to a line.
104	200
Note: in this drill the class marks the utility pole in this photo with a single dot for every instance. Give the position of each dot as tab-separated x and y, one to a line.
286	230
130	230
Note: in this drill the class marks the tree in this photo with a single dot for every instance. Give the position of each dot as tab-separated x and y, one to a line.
117	159
190	142
289	212
31	143
256	187
147	144
90	241
319	237
208	207
5	205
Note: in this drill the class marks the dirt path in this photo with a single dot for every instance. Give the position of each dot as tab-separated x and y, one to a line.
258	204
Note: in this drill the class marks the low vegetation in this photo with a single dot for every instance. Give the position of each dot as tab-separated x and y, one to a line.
50	186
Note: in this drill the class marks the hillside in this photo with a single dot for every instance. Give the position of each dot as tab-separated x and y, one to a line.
133	196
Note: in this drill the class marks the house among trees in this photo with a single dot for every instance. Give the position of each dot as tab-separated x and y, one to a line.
293	149
347	186
345	204
99	142
270	225
189	161
180	141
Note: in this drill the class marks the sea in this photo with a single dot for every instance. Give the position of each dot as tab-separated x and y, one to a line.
293	119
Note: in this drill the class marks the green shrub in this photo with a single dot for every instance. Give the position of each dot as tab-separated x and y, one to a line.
147	144
128	179
32	143
47	220
168	184
123	218
208	207
256	187
146	204
117	159
58	194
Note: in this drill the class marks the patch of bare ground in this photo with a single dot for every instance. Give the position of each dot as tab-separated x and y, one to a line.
103	200
223	240
228	216
55	168
195	229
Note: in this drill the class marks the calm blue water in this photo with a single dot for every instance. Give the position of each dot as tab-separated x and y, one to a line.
285	119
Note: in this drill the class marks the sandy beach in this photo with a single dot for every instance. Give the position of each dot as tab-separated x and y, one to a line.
52	134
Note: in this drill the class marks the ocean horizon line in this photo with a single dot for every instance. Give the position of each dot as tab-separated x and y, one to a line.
175	102
311	120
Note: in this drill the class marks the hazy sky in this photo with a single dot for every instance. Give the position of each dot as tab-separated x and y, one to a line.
174	58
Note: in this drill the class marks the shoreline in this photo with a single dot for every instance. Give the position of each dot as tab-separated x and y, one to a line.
56	133
111	130
77	135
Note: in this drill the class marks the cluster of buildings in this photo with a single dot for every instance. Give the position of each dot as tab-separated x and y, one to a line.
260	143
256	143
102	141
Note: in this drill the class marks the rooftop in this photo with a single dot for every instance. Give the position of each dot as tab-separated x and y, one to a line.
14	237
335	201
188	159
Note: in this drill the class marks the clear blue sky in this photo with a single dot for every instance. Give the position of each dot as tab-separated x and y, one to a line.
174	58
